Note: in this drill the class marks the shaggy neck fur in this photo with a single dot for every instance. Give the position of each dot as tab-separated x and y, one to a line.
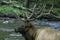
29	34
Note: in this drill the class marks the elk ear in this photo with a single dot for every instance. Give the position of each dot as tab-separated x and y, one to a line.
22	18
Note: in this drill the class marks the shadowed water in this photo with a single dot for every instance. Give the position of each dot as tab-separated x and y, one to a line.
52	24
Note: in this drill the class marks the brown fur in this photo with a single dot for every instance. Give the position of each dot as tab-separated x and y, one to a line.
47	34
31	33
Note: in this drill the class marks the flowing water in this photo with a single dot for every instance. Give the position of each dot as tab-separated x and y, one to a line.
7	28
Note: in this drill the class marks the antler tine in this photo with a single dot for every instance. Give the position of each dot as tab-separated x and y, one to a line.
32	14
40	13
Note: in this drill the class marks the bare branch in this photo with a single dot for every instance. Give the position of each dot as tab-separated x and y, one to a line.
21	7
56	16
51	9
40	14
4	3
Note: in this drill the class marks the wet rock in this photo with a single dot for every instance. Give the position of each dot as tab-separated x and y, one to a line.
12	15
18	34
6	22
3	15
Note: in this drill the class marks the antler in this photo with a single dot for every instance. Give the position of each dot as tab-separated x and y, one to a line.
34	15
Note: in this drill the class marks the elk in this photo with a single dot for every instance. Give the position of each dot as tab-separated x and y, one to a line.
31	33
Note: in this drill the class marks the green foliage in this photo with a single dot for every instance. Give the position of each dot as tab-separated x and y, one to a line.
56	11
7	9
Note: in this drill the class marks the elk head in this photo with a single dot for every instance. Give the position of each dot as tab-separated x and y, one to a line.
26	28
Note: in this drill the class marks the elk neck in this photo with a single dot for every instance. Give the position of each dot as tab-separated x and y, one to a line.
30	31
30	34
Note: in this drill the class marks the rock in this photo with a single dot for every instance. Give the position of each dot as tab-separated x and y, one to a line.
12	15
3	15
